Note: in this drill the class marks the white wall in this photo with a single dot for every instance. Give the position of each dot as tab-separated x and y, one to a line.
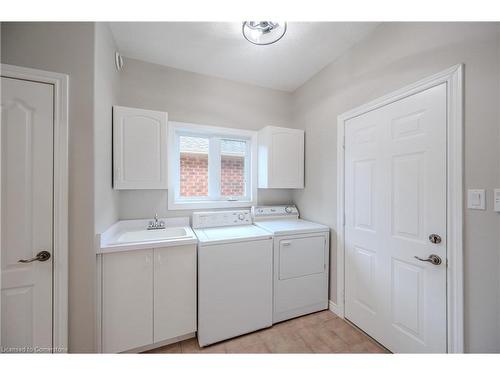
196	98
69	48
395	55
106	89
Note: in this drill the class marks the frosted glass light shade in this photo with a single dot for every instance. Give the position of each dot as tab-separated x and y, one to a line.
263	32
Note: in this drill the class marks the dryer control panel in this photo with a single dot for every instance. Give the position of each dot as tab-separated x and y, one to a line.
212	219
275	212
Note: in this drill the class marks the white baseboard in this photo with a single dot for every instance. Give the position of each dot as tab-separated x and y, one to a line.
334	308
162	343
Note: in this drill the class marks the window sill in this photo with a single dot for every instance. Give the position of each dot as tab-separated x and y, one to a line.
208	204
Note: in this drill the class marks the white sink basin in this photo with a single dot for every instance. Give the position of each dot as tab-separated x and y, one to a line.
151	235
127	235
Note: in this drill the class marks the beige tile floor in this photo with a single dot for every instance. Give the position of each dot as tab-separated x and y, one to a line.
321	332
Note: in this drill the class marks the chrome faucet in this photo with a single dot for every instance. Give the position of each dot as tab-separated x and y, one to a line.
156	224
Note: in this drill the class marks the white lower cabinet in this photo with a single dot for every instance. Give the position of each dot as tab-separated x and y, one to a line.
127	300
174	292
148	297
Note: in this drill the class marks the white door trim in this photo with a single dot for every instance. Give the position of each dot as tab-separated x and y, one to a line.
60	250
453	77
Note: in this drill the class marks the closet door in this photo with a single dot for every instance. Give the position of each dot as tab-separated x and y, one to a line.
395	222
139	148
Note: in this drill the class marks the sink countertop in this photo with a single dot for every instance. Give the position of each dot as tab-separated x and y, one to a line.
108	241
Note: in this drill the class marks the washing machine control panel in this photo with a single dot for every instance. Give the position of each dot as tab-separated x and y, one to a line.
266	212
221	218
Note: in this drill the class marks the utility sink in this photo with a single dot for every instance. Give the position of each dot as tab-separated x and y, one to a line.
151	235
129	235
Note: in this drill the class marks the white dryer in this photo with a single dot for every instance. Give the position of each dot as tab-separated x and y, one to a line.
301	261
235	275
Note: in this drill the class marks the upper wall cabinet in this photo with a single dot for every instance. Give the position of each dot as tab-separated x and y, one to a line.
139	148
281	158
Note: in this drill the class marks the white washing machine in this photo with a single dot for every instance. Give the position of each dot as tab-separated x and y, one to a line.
235	275
301	261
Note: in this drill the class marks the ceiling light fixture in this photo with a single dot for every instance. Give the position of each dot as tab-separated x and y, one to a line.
263	32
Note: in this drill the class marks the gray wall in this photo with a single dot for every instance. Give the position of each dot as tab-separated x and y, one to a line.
85	51
199	99
69	48
498	233
106	89
393	56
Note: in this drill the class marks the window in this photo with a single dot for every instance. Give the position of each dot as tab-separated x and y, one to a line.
193	176
211	167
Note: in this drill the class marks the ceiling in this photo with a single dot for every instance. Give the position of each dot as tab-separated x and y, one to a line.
218	49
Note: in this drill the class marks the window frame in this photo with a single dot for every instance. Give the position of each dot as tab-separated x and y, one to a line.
214	134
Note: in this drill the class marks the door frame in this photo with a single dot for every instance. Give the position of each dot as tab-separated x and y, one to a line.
60	83
453	77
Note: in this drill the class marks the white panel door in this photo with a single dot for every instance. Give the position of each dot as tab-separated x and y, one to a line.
27	221
395	198
139	148
174	292
127	300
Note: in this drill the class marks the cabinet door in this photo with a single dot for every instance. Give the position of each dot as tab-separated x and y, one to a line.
139	148
127	300
286	158
174	292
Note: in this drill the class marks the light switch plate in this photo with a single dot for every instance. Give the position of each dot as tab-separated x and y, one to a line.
496	199
476	199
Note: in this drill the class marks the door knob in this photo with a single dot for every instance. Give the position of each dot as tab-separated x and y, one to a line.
435	238
42	256
433	258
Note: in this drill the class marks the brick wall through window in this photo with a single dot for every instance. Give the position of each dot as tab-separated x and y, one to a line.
194	175
232	175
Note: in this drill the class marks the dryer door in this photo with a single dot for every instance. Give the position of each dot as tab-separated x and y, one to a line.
300	275
301	256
